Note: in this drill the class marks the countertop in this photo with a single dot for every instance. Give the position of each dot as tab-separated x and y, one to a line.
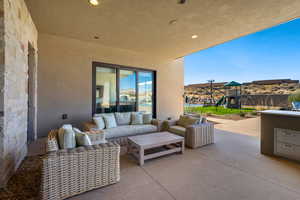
281	112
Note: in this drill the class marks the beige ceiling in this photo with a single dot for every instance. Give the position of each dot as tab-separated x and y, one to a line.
143	25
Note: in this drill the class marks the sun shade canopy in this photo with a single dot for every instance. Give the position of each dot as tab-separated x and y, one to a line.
232	83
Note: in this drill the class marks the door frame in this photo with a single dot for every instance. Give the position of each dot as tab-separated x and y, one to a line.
32	94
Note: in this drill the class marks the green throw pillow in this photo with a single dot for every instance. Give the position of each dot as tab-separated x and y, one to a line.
182	120
187	121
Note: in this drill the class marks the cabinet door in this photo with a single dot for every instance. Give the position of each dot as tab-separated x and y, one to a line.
287	143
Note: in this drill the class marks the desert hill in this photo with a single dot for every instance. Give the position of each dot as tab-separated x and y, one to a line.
200	93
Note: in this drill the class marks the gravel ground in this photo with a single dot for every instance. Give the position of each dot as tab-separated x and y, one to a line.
25	182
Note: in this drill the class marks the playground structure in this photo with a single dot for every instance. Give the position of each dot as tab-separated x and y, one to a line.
233	97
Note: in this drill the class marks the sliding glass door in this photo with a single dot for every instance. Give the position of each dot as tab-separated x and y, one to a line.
122	89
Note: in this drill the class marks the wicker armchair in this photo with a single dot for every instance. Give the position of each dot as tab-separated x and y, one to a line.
196	135
68	172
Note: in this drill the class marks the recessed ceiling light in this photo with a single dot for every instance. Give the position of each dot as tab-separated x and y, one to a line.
194	36
94	2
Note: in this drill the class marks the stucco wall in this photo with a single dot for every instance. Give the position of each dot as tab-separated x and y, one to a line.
19	30
65	80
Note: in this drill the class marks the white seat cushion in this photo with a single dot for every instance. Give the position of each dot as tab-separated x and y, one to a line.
177	130
129	130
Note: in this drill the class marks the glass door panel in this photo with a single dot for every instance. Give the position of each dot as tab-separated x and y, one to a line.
145	88
105	90
127	98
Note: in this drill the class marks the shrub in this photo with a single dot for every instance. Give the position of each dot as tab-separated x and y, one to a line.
295	96
254	113
242	114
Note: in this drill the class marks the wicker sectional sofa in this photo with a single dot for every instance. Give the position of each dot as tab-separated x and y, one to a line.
120	133
68	172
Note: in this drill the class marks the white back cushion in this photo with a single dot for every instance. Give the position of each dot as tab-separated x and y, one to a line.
110	120
66	137
136	118
99	122
123	118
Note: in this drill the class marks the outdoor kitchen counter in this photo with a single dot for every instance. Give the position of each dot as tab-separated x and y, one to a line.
277	119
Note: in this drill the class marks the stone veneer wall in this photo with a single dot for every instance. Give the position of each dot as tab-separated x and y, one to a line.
1	83
19	30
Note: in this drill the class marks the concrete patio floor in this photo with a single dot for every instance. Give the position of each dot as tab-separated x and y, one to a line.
232	169
250	126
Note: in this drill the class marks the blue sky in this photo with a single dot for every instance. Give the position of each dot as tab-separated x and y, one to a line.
269	54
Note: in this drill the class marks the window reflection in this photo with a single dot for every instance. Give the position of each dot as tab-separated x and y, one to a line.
145	85
105	90
127	91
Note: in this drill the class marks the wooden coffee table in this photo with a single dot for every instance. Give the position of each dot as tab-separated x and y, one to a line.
144	147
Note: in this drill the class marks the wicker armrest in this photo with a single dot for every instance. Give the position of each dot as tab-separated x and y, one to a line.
69	172
199	125
193	128
157	123
88	126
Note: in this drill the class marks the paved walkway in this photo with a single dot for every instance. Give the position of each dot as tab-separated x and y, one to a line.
249	126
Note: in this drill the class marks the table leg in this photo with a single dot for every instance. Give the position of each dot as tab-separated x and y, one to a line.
182	146
129	148
141	156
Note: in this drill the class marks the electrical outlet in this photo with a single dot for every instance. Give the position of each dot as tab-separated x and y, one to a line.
64	116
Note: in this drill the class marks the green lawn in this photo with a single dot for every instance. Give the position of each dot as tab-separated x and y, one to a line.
217	110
